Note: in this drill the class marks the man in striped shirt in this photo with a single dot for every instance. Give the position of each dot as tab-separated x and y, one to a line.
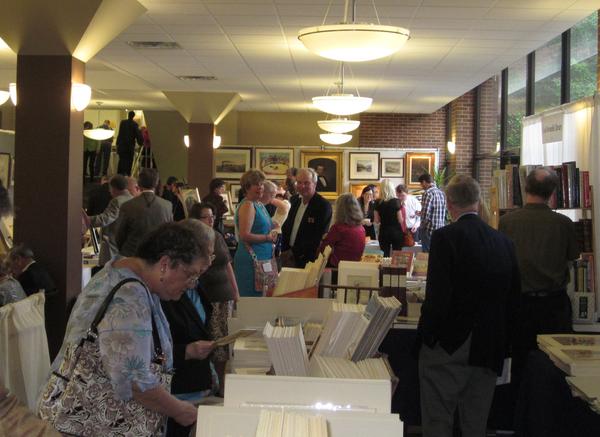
433	210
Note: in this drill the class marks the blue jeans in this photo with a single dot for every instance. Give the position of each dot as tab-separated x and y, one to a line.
425	240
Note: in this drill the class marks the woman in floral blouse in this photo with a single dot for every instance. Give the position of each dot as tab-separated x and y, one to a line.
168	262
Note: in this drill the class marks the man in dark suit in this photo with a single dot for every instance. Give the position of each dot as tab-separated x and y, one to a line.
32	275
466	324
142	214
129	134
307	221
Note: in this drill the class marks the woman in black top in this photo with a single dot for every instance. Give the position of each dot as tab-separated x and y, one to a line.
215	189
388	215
367	206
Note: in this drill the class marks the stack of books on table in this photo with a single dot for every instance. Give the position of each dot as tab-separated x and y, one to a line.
334	367
420	265
574	354
587	388
287	349
287	424
293	279
355	331
250	356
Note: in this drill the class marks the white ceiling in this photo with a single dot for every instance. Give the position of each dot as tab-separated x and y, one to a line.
252	49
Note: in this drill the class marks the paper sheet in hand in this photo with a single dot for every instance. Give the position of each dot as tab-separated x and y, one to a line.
233	337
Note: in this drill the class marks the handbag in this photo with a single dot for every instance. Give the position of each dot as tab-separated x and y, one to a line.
79	400
265	272
409	240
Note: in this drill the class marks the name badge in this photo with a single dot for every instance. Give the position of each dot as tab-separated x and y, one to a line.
267	267
310	220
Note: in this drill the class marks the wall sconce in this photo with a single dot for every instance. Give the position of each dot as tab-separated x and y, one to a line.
216	141
451	147
12	89
4	96
498	147
186	141
81	94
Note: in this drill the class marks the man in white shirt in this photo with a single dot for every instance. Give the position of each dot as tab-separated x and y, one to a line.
411	207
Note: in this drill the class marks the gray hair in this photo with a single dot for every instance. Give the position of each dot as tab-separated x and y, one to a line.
463	191
312	174
270	188
205	235
347	210
387	190
21	250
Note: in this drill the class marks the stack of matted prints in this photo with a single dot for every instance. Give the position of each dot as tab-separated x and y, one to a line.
286	424
587	388
575	354
287	349
334	367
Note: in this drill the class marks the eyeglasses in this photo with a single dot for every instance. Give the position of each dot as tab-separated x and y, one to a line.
207	217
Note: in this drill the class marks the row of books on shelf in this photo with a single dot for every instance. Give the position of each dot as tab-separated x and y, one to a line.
573	188
583	234
582	275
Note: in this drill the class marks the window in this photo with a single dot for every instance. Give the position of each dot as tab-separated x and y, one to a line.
517	77
547	75
584	54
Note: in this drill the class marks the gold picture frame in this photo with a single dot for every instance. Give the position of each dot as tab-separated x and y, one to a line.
357	187
329	165
416	165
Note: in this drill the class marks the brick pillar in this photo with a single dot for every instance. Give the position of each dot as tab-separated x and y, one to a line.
462	132
200	155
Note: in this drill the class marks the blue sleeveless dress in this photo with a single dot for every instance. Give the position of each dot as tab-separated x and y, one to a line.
243	265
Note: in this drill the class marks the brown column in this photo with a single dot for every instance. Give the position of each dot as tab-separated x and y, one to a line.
48	177
200	156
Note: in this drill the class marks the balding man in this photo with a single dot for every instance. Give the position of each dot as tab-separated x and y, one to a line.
466	323
306	223
545	243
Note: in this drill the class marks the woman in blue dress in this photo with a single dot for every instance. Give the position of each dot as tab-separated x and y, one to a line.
255	230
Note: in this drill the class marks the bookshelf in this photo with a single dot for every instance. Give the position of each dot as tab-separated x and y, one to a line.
573	198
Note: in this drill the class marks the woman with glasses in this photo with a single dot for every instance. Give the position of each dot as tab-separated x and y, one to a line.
217	285
133	347
255	232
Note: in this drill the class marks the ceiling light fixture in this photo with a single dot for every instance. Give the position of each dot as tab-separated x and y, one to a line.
335	139
338	125
4	96
81	94
340	103
353	42
12	89
98	134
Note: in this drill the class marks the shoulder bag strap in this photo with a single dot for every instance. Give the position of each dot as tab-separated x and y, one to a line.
100	315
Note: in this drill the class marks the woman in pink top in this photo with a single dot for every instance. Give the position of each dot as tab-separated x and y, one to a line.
347	235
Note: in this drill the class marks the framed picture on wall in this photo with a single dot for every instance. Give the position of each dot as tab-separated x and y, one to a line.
5	169
416	165
357	187
232	163
363	166
234	191
274	162
328	165
392	167
227	199
189	197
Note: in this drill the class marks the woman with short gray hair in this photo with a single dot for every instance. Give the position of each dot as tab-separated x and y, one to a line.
347	235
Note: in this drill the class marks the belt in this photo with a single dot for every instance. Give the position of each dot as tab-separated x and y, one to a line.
545	293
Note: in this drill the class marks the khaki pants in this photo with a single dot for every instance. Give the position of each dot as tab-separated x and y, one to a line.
447	382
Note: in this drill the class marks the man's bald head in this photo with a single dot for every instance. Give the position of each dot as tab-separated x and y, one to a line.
541	182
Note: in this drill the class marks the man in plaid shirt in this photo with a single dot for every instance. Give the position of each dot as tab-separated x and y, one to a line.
433	210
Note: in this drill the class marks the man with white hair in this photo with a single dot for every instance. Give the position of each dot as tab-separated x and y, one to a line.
467	319
307	221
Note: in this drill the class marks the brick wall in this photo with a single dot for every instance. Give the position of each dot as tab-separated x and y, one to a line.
462	124
489	130
420	131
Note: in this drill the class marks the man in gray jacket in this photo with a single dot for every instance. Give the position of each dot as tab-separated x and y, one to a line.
142	214
107	220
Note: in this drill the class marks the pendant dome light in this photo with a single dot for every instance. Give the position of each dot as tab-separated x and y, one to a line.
351	41
335	139
341	103
338	125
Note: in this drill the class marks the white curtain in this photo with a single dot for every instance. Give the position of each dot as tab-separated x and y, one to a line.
24	357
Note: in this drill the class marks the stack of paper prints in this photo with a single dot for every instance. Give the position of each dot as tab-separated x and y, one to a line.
333	367
420	265
587	388
287	349
575	354
250	355
284	424
292	279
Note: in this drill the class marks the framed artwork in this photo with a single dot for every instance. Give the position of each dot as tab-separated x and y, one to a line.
392	167
357	187
5	169
363	166
416	165
232	163
273	162
234	191
227	199
328	165
189	197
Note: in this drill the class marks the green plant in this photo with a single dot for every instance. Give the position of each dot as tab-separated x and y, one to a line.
441	176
